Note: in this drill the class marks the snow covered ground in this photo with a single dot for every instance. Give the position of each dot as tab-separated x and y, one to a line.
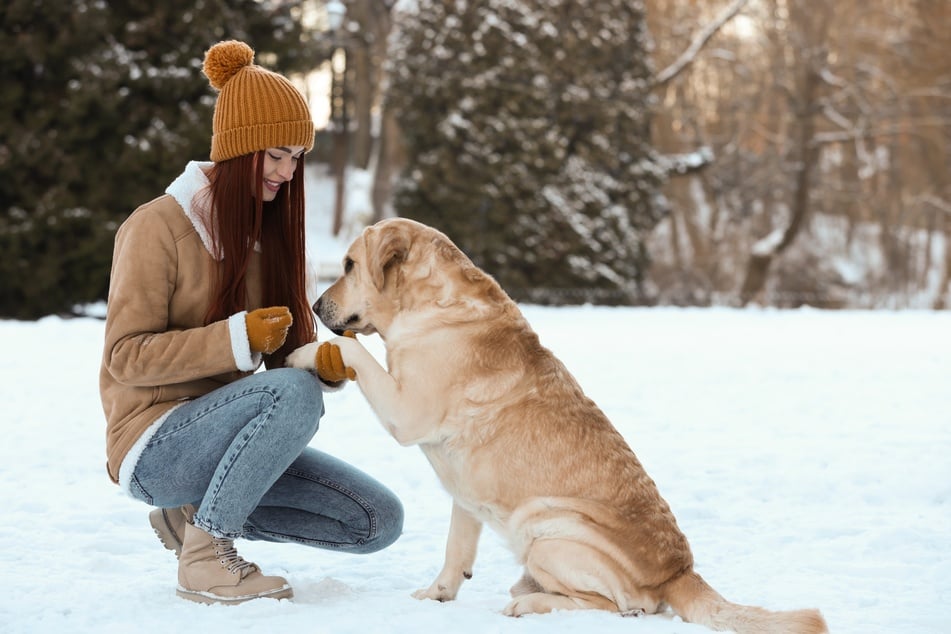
805	454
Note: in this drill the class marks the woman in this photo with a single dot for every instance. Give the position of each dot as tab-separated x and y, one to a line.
208	281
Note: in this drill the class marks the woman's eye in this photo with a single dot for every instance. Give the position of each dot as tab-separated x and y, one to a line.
276	158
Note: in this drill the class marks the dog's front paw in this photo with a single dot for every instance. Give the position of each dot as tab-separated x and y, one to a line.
304	357
436	592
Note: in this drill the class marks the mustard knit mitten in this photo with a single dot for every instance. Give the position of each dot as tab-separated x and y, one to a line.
267	328
330	367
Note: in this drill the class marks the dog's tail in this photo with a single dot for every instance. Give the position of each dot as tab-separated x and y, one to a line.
696	602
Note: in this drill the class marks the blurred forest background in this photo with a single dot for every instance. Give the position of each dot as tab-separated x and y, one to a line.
688	152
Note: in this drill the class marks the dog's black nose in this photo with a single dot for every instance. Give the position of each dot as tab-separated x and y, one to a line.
316	306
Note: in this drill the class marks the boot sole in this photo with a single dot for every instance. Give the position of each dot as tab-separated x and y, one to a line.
159	521
210	598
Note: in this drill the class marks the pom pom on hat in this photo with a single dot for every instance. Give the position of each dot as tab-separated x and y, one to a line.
224	60
256	108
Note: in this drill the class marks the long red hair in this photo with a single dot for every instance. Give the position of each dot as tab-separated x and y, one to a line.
237	221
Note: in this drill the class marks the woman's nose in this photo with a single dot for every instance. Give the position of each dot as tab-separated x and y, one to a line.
286	170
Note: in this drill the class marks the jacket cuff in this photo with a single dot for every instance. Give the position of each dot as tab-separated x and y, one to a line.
244	359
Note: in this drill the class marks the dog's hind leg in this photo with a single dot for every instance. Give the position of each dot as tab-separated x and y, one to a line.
525	585
542	602
574	575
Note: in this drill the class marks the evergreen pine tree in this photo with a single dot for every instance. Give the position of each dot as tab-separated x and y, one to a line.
527	135
102	105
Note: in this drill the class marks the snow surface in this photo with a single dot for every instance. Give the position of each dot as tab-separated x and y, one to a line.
804	453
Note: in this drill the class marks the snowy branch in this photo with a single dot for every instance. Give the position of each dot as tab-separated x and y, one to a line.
701	39
690	163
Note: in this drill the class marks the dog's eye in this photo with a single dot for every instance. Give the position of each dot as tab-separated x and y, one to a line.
347	265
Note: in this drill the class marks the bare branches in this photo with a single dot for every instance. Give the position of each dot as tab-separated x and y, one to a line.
686	58
907	127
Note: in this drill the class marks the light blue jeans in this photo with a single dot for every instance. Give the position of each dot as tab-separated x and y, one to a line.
240	455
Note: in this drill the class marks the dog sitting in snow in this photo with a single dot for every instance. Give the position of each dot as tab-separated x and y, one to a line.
513	439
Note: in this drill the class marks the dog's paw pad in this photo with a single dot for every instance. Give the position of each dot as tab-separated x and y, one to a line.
519	606
435	592
634	613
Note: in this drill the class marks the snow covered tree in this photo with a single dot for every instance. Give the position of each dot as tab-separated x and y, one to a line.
527	137
102	105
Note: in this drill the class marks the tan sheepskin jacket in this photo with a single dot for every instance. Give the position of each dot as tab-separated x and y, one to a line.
157	351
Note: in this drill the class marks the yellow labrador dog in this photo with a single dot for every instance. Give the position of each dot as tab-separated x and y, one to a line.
514	439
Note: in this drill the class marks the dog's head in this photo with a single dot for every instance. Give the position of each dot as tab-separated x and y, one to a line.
376	269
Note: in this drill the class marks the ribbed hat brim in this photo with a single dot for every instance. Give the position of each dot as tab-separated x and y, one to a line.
247	139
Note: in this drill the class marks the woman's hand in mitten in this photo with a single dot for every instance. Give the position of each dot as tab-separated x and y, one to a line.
267	328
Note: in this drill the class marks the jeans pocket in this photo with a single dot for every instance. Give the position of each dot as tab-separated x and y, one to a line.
138	492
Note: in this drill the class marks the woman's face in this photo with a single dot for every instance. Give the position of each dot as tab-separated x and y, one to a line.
279	165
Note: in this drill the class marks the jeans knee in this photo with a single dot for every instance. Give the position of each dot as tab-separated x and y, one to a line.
299	393
389	527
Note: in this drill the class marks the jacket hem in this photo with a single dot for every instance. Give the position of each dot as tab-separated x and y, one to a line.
131	460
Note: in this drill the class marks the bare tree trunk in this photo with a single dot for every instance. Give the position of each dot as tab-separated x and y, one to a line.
944	289
718	268
365	78
340	116
340	151
389	162
363	91
674	218
757	269
382	155
813	24
757	272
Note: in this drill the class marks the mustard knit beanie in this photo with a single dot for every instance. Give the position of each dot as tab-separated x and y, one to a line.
256	109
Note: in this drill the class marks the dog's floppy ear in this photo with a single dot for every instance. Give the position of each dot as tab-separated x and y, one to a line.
385	246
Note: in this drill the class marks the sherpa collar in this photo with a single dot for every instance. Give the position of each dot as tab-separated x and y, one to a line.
185	190
190	191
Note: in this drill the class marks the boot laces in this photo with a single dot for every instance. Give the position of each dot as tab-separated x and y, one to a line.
229	557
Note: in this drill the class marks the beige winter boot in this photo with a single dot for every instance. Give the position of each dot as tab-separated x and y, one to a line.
169	525
210	570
